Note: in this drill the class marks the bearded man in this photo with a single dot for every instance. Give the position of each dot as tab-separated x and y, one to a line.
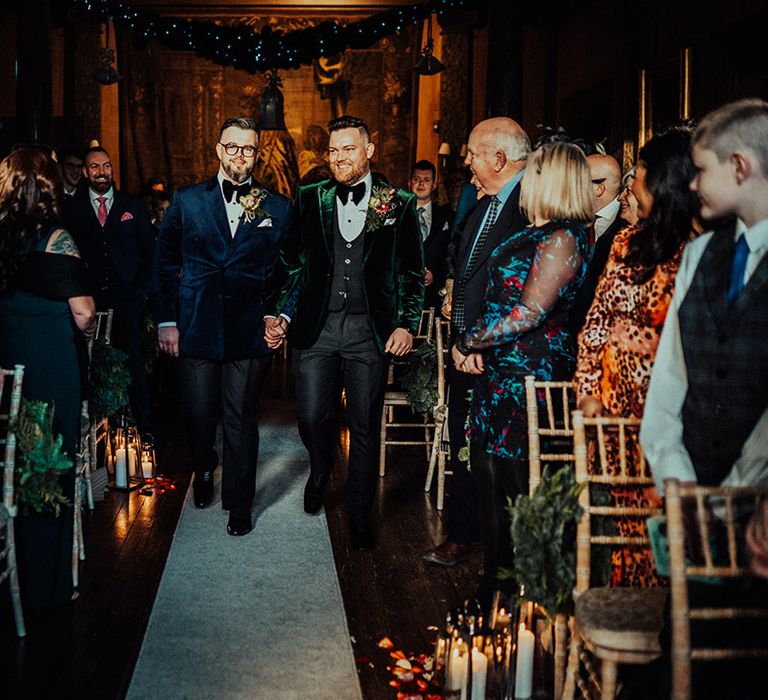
350	286
215	252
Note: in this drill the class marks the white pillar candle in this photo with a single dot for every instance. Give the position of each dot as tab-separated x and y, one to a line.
457	670
524	663
479	671
121	474
146	468
132	459
109	461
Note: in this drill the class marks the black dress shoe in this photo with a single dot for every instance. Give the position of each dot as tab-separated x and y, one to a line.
202	489
239	523
313	494
362	537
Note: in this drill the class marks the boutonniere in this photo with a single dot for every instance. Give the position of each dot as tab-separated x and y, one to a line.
251	203
381	207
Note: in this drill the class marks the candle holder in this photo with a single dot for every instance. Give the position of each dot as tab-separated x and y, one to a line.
128	476
148	458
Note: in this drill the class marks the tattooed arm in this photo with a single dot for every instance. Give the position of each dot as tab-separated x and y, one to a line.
83	308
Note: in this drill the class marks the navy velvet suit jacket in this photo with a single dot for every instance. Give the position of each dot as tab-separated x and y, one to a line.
211	284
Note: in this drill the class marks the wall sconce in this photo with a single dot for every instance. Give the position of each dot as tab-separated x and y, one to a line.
463	151
443	153
427	63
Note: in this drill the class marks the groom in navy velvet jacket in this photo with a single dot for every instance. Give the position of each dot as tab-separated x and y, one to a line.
215	252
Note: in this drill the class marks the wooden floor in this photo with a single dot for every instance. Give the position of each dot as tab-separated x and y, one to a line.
88	649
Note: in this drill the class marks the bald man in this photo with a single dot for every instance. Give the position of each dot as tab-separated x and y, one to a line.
497	150
606	185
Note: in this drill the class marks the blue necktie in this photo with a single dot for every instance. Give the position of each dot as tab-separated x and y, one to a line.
738	265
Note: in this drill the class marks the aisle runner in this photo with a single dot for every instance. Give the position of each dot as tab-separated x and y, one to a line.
253	617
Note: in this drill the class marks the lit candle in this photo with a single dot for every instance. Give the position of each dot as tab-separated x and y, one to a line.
108	459
121	475
479	670
132	459
146	466
524	663
457	670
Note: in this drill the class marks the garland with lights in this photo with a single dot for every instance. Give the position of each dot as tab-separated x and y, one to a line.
241	47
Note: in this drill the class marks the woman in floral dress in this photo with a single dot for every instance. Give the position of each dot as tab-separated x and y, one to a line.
617	345
523	330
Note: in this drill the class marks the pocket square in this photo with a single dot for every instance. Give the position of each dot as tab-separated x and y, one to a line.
266	222
126	217
389	222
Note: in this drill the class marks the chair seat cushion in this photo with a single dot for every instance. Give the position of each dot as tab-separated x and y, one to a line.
623	619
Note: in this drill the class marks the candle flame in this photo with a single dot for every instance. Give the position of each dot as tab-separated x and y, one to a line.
522	627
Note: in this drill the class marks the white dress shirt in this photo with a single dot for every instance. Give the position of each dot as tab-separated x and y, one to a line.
661	434
606	216
351	216
234	208
110	197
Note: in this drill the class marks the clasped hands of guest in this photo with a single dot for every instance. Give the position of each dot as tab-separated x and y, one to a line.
471	364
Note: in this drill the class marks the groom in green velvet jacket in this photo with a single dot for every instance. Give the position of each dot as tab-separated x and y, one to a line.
349	282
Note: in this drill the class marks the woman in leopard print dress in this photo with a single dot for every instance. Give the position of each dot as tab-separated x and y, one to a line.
617	345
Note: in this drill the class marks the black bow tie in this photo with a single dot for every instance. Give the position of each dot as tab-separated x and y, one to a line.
229	188
358	190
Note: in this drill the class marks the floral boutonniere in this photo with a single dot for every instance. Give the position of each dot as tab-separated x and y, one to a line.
381	206
251	203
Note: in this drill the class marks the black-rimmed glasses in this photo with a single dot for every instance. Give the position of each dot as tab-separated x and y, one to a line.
232	149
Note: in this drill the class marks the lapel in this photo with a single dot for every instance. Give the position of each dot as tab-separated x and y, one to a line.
326	198
753	290
215	202
368	232
502	227
715	268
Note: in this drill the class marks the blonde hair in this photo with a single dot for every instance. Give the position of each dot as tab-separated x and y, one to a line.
732	127
557	184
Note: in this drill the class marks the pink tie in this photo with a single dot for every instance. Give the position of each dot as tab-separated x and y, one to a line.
102	212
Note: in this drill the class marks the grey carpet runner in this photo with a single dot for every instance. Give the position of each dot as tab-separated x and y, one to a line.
259	616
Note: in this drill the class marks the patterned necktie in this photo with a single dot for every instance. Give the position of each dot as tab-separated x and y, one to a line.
422	223
458	312
738	266
102	212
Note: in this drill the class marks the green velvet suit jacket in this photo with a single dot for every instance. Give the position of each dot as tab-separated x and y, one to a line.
393	262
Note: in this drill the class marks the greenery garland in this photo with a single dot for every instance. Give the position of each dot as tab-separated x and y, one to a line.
419	378
543	534
110	379
40	461
239	46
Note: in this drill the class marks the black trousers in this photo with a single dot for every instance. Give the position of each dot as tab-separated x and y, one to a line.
463	523
496	479
345	351
230	389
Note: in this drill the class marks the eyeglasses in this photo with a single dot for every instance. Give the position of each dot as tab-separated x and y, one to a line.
72	166
599	181
232	149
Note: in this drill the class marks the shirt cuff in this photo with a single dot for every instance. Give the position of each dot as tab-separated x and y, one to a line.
167	324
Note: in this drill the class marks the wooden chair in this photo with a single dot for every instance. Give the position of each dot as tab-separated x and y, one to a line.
395	397
726	564
95	429
617	625
555	427
10	400
441	442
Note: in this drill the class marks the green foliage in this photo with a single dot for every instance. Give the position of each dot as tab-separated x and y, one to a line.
109	379
419	378
40	461
543	530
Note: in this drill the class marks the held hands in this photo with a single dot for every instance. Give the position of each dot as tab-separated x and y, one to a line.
275	329
399	343
471	364
168	340
592	407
